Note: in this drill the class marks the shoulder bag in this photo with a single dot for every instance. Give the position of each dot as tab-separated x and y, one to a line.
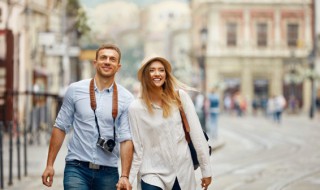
186	129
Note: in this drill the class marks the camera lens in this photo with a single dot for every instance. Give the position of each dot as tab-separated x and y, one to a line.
110	144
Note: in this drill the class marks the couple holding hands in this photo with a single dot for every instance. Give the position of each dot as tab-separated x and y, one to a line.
106	122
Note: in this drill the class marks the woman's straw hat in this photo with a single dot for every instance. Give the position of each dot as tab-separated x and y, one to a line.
146	61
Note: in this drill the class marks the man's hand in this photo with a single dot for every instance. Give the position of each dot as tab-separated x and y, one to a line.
205	182
124	184
56	141
126	153
47	176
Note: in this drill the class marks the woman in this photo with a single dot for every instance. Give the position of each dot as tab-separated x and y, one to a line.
161	153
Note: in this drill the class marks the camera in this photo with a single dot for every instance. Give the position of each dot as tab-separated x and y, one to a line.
106	145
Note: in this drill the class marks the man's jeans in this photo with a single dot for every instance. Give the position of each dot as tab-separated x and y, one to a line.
78	176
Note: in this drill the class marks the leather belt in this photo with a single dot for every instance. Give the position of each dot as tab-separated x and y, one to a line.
90	165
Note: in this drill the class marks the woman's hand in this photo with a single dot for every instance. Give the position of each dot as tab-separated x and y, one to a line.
205	182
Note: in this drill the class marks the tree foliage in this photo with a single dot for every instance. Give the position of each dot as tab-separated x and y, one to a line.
79	17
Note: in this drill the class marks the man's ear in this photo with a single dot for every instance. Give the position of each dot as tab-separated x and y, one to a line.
119	66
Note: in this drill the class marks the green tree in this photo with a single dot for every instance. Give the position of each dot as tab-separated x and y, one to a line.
77	17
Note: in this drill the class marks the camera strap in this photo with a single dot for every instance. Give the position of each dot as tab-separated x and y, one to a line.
93	104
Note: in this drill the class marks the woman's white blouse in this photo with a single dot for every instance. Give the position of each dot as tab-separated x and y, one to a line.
161	152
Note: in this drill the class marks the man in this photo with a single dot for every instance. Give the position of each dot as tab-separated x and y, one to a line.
100	129
279	105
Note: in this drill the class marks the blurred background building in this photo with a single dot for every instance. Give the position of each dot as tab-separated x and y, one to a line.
260	48
39	53
27	29
250	47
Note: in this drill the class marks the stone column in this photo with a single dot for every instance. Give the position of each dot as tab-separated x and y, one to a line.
276	87
306	96
247	83
277	28
247	32
212	73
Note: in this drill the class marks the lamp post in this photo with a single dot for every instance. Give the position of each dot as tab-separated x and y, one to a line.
202	66
202	62
312	75
312	58
313	97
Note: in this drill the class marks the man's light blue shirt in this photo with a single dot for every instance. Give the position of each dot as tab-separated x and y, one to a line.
76	114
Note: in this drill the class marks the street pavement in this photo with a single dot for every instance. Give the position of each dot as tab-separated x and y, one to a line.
262	155
251	153
36	159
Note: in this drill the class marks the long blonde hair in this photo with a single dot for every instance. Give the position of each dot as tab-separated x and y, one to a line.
169	94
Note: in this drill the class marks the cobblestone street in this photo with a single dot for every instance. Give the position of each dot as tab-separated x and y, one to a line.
255	154
259	154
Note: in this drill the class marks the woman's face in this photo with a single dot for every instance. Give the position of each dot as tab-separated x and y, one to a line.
157	73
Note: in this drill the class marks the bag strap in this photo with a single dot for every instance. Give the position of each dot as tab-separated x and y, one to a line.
185	124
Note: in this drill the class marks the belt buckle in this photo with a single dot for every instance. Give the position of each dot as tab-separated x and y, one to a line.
94	166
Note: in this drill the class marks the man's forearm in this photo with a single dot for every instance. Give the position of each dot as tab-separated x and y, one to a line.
57	138
126	150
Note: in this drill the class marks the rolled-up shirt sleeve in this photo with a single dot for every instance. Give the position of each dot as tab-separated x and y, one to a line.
123	121
65	117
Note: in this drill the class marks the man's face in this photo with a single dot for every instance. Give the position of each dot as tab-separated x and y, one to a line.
107	63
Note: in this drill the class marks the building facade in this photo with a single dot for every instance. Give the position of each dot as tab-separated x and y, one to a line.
258	48
34	25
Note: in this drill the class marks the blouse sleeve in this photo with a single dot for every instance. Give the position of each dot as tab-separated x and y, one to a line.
138	148
196	134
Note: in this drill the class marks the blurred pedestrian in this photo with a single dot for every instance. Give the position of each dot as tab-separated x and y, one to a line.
255	105
161	153
270	107
318	102
212	128
279	105
228	104
293	104
96	110
240	104
200	109
264	105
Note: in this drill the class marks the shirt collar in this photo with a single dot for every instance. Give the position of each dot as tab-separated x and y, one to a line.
110	89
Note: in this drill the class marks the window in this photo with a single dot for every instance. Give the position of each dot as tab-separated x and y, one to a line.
292	35
231	34
262	34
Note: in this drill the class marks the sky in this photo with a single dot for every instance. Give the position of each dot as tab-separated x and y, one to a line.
97	9
142	3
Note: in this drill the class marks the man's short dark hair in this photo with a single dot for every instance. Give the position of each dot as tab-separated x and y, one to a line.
109	46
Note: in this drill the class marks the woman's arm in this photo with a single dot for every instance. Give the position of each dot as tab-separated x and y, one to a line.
196	133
